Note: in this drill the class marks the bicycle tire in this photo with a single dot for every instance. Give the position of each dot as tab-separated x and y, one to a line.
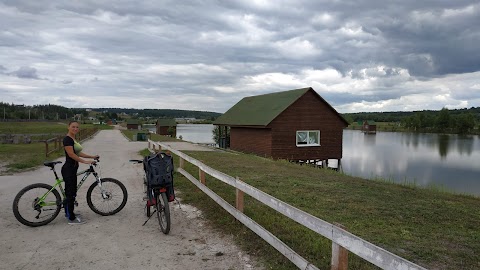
21	215
148	210
163	212
112	196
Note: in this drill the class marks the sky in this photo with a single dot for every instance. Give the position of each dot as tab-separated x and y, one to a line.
360	56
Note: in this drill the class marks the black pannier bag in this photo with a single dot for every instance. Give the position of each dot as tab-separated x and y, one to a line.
159	170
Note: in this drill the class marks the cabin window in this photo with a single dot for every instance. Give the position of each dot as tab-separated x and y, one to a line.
308	138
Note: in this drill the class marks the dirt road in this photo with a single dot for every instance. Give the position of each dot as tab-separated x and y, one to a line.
114	242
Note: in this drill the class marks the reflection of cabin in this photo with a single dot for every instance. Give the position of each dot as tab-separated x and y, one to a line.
165	125
133	124
369	127
296	125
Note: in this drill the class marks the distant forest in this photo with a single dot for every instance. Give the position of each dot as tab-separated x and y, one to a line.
55	112
399	116
162	113
455	121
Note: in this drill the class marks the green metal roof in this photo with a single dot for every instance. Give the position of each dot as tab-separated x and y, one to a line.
259	110
132	122
166	122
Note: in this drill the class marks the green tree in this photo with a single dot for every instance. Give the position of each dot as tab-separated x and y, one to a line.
215	133
442	122
464	122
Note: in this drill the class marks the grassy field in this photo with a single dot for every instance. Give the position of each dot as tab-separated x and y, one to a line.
20	157
41	127
434	229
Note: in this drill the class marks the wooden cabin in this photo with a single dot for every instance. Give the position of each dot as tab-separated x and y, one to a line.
296	125
166	126
369	127
133	124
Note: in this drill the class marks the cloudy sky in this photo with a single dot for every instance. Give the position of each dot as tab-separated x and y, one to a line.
370	55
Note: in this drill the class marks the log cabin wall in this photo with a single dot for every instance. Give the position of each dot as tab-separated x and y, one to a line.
251	140
307	113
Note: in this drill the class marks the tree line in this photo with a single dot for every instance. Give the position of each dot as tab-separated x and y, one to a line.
36	112
162	113
452	121
55	112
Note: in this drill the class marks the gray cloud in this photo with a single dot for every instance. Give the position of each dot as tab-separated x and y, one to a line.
365	55
25	73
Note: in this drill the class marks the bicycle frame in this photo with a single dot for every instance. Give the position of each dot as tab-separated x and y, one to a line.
58	183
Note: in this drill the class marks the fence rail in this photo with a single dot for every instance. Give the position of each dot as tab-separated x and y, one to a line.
81	136
342	240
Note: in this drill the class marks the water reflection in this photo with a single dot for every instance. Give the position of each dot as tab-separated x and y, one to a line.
443	141
448	161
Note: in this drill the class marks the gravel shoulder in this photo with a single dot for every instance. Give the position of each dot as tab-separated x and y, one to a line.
113	242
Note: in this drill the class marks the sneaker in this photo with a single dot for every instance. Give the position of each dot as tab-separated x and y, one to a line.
76	215
77	220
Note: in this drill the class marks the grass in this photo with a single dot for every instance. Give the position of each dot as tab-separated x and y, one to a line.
21	157
434	229
41	127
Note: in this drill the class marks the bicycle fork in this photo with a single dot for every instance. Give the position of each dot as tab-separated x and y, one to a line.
105	194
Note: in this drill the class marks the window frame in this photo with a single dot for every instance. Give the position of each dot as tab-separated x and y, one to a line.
308	136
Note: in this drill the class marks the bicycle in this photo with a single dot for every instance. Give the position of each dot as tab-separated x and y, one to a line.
156	196
42	202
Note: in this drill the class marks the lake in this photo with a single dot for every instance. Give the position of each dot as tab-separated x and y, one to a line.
451	162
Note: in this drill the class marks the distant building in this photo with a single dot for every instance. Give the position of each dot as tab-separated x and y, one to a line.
186	120
164	125
133	124
369	127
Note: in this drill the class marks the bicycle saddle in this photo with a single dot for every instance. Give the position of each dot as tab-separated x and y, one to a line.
51	163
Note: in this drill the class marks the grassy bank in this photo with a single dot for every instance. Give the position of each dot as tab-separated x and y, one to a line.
41	127
19	157
434	229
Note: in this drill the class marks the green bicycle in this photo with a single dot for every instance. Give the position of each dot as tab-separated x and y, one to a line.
38	204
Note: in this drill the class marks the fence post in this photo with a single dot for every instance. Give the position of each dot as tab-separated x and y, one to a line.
181	163
339	255
201	176
239	199
46	148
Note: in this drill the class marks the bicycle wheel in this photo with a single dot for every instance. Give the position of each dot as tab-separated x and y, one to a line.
30	209
148	210
146	190
108	199
163	212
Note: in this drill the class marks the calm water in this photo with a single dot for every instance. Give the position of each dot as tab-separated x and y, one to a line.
448	161
195	133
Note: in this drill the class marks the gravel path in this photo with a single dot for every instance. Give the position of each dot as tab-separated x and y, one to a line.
114	242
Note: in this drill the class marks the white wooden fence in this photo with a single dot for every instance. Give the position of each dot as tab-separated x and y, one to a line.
342	241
